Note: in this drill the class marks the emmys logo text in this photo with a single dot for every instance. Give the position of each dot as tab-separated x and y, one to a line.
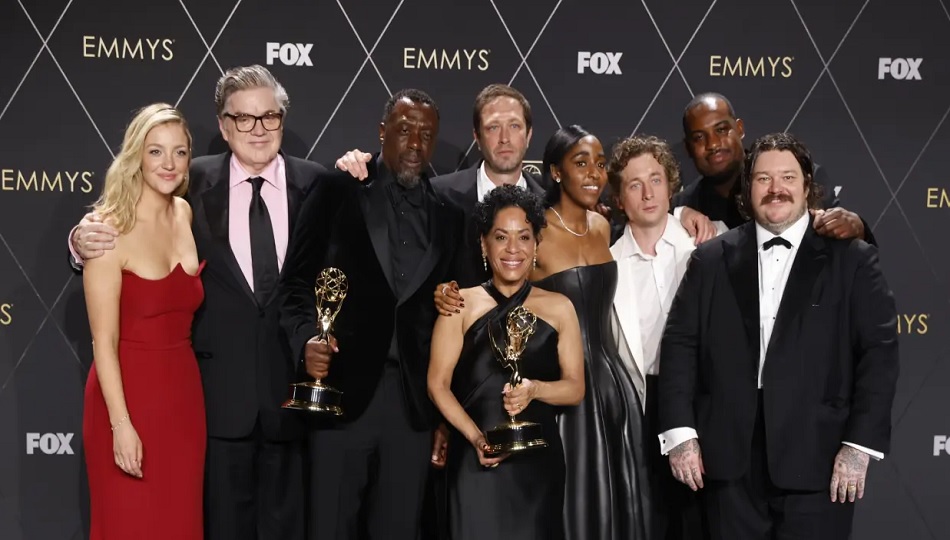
289	54
902	69
6	314
913	323
938	198
940	445
747	66
49	443
601	63
126	49
59	181
442	59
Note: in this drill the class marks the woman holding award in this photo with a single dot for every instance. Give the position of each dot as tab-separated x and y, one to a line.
509	331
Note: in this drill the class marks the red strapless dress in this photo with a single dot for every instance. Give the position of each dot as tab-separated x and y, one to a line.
165	400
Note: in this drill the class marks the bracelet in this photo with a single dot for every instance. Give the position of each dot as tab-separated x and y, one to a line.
120	422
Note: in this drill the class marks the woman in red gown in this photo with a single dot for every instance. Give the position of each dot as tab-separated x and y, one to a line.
143	418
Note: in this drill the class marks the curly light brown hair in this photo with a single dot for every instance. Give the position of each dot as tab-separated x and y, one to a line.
637	146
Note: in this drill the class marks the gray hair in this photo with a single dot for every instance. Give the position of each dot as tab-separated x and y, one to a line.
247	78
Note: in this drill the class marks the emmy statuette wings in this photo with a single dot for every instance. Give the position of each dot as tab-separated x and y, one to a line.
330	288
515	435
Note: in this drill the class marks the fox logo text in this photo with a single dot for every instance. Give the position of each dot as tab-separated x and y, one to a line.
940	445
49	443
289	54
902	69
600	63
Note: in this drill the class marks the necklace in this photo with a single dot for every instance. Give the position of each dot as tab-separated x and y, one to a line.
568	229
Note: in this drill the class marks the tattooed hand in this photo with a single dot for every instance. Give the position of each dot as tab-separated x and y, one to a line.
686	461
850	472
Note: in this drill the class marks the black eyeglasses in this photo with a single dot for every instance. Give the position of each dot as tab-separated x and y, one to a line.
246	122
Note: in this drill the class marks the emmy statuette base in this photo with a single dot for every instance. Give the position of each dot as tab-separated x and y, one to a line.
515	436
314	397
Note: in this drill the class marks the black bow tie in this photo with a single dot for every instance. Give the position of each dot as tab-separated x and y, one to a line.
777	241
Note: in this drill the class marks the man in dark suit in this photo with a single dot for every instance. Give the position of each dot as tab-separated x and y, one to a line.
394	238
245	204
501	125
713	137
780	363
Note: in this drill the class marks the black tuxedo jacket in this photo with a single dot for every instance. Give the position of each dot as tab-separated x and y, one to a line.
690	196
460	189
343	225
243	355
831	365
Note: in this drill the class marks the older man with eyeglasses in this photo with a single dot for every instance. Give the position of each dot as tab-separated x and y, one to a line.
245	203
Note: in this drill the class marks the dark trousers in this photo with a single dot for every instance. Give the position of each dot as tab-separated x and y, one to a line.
753	508
254	489
368	476
678	513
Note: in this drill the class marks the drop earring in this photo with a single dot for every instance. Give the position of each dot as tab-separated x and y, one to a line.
485	262
534	264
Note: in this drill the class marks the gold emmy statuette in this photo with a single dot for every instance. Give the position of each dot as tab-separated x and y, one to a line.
515	435
331	287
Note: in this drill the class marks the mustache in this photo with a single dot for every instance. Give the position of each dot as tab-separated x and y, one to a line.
780	197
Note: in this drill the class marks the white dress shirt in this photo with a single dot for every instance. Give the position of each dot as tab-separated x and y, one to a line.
775	265
485	185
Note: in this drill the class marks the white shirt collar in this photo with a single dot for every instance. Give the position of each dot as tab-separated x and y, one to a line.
793	234
485	185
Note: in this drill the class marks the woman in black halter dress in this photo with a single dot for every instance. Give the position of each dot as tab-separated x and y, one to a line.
607	488
521	495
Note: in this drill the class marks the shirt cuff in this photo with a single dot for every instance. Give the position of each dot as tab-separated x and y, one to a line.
672	438
678	213
873	453
77	260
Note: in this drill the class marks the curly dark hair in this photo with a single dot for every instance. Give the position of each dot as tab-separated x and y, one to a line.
636	146
782	142
507	196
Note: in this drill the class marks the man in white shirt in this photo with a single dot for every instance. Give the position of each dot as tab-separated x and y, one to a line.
651	256
780	363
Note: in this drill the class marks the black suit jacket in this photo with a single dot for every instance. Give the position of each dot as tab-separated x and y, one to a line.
690	196
243	355
460	189
831	366
343	225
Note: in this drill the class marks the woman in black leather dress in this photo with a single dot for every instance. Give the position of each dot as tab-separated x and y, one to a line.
517	496
607	494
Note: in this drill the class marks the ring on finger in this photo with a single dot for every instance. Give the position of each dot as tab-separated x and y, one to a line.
443	289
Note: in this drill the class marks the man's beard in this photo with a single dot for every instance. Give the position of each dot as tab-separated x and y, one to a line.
408	179
504	168
779	228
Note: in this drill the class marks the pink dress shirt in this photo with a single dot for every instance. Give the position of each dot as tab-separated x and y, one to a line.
274	193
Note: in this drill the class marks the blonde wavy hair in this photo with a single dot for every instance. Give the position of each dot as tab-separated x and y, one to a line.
123	184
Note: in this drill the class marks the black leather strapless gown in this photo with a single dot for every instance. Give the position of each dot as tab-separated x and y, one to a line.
607	486
521	498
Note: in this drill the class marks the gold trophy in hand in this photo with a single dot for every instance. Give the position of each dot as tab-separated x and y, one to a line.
330	288
515	435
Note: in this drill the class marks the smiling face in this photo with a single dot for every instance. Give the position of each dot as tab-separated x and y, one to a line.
583	172
778	193
510	246
409	135
165	158
254	149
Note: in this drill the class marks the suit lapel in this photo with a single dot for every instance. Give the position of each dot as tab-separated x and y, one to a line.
296	187
743	269
806	267
625	300
215	201
438	220
373	203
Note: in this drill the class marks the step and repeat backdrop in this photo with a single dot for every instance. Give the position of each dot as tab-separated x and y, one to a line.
863	83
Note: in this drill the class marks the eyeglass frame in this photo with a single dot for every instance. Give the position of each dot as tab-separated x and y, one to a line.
234	118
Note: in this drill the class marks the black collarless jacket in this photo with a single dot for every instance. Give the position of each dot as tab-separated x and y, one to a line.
343	224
